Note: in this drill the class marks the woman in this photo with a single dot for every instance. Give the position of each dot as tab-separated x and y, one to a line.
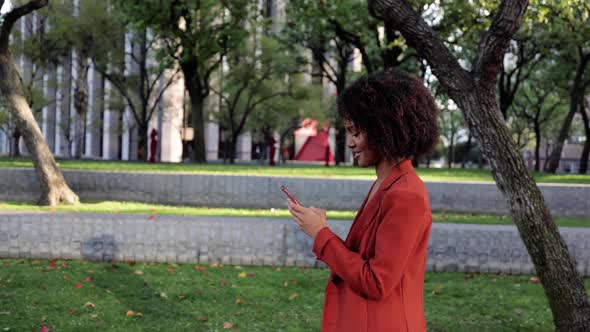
377	277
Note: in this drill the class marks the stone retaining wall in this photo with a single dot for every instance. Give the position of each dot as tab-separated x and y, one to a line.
264	191
251	241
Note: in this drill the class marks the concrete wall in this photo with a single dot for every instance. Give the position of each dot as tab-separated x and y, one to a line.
251	241
264	191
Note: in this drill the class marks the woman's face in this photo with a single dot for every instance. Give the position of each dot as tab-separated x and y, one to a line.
357	141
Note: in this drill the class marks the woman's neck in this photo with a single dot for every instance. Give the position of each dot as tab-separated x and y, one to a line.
384	167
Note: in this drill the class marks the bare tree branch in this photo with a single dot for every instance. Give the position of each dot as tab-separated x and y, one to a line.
11	17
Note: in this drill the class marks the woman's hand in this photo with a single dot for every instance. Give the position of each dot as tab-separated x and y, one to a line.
311	220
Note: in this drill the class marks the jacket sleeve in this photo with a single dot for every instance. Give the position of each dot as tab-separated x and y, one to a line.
404	220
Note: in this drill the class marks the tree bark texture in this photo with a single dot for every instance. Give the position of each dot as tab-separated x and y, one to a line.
81	101
475	94
53	186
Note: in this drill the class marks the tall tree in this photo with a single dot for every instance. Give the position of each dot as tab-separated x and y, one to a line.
53	186
572	43
259	71
196	34
536	104
474	91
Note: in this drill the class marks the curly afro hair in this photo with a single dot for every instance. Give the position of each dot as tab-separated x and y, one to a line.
395	110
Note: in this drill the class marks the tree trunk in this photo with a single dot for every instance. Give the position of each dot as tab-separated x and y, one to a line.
474	91
233	144
537	146
197	109
564	287
80	102
14	143
142	144
586	152
467	149
53	186
450	152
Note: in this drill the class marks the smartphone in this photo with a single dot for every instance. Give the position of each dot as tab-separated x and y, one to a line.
291	197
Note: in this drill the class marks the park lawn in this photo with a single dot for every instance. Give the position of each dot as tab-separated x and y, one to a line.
154	209
129	296
349	172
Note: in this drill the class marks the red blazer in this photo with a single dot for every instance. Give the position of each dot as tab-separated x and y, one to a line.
377	277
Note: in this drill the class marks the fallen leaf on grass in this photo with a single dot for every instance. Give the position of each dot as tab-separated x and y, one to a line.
239	300
163	295
204	318
437	289
223	283
138	272
200	268
130	263
170	271
89	305
293	296
88	279
535	279
181	297
469	276
44	328
93	316
130	313
67	278
74	312
227	325
78	285
35	262
242	274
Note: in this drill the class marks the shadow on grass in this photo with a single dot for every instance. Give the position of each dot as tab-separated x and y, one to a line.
147	308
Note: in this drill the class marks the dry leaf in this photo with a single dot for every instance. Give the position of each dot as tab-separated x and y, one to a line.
35	262
227	325
73	312
67	278
286	284
88	279
94	316
163	295
130	313
204	318
78	285
251	274
181	297
44	328
138	272
90	304
170	271
239	300
535	279
130	263
242	274
223	283
293	296
437	289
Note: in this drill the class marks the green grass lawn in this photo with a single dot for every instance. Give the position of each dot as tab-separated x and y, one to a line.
153	209
427	174
85	296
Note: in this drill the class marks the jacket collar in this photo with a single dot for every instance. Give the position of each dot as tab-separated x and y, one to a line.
397	171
